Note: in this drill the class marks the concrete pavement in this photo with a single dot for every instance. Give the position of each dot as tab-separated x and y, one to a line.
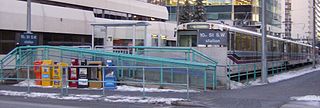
275	95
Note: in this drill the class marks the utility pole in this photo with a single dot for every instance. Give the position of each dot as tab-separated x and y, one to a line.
29	16
314	33
264	70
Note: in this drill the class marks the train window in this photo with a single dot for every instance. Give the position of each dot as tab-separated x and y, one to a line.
238	41
281	46
269	43
246	43
259	45
254	43
231	41
275	46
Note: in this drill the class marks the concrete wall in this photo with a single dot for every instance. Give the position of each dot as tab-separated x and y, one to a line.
45	18
127	6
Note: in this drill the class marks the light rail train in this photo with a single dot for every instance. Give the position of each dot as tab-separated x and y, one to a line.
244	46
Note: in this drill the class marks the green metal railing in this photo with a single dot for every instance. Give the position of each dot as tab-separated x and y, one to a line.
250	71
25	55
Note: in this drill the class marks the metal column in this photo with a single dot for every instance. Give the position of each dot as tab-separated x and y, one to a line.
264	72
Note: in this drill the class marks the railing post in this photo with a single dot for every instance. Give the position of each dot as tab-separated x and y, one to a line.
28	80
42	55
122	75
143	82
239	65
103	81
67	80
61	80
171	76
247	73
205	80
214	78
19	63
188	94
46	53
1	71
193	56
161	75
278	67
254	71
272	65
229	75
285	66
61	53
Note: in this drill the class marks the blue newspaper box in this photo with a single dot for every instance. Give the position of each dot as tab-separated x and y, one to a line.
109	76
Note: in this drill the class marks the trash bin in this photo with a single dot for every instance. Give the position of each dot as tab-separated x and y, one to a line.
95	74
73	73
37	71
46	72
110	76
83	75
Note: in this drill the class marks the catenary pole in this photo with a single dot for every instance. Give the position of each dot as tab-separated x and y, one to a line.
29	16
314	33
178	12
264	73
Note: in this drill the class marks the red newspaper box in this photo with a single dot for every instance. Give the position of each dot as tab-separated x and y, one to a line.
73	73
37	71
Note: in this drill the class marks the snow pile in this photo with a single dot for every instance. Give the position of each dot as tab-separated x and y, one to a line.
116	98
132	88
307	98
119	88
31	83
287	75
149	100
276	78
236	85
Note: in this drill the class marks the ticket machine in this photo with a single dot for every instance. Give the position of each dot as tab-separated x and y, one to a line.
83	75
73	73
46	72
95	74
37	71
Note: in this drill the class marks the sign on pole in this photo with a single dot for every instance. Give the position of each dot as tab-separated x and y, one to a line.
28	39
210	37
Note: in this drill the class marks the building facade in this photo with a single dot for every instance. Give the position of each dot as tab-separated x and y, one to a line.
241	13
68	22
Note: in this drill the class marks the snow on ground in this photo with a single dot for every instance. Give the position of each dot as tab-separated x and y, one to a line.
132	88
115	98
119	88
307	98
276	78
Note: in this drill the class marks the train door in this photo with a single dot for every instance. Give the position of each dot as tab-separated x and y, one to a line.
187	38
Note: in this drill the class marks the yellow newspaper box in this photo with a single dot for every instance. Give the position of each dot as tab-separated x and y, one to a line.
56	75
95	74
46	72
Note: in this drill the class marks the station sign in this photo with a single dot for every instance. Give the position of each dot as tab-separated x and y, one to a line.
28	39
211	37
